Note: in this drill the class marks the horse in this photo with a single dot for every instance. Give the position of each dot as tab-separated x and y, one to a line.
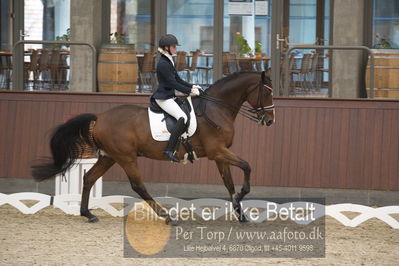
122	134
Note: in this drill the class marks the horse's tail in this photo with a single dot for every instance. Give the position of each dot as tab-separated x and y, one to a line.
65	146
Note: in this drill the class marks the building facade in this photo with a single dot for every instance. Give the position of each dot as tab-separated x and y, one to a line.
228	34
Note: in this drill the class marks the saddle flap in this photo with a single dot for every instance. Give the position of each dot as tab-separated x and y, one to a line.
161	122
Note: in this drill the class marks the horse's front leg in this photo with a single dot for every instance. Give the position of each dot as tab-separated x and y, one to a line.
224	170
223	160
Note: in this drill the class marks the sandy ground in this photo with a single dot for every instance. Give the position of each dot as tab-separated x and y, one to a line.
51	237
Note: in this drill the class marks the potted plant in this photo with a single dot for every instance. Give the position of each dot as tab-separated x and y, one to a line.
65	37
244	49
117	38
258	49
381	42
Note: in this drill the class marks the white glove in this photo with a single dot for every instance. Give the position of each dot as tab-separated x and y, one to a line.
194	91
197	87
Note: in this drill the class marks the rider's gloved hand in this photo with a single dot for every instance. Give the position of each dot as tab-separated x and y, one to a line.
197	86
201	90
194	91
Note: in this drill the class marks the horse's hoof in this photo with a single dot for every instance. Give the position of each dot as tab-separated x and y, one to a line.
243	218
93	219
169	221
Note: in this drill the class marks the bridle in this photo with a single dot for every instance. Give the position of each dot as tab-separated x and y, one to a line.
244	110
260	117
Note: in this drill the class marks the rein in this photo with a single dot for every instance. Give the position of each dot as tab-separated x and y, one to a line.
243	110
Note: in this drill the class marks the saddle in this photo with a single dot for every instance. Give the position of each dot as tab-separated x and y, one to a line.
170	120
161	123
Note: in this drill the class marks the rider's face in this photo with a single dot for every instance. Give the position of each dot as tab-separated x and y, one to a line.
172	49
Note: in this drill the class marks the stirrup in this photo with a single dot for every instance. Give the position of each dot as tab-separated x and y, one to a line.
171	156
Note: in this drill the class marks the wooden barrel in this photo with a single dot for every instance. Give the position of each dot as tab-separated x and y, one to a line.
386	75
117	68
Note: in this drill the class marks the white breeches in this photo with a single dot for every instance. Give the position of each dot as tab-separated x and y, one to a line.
172	108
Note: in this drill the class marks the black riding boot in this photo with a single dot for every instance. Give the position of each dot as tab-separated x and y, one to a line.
174	137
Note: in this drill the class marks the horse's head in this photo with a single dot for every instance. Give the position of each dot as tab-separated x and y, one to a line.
260	98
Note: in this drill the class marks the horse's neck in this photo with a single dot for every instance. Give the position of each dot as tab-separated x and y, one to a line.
231	93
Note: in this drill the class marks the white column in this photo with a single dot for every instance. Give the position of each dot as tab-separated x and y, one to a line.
248	28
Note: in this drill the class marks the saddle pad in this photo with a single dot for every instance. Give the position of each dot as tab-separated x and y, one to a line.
159	132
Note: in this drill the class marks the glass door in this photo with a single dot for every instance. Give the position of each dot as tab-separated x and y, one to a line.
192	22
41	66
5	25
46	66
246	40
301	22
5	44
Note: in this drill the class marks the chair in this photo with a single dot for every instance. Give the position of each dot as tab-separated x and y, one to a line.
259	65
207	69
312	71
148	82
181	63
54	67
32	67
292	69
303	71
246	64
263	63
230	64
233	62
43	67
193	67
226	64
62	72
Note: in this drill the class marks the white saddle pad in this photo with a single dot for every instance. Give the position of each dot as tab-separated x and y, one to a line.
159	131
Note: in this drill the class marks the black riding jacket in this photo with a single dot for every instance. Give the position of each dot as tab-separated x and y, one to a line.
169	80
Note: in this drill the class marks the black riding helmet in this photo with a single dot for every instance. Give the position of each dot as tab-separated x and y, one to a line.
167	40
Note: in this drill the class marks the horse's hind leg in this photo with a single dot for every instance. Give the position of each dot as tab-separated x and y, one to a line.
99	169
138	186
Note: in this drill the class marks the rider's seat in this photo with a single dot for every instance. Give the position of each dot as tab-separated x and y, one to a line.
170	120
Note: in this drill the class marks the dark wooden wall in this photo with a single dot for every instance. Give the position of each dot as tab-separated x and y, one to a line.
320	143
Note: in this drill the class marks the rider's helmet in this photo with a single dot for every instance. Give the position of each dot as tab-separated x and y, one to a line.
167	40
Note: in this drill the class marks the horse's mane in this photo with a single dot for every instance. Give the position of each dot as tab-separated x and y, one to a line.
229	77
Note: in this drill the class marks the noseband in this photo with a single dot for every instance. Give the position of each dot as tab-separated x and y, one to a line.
261	108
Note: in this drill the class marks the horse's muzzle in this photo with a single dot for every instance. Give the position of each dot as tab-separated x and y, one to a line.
265	119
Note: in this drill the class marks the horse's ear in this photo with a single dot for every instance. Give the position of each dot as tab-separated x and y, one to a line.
263	76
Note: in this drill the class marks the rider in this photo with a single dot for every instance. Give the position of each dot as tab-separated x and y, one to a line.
164	96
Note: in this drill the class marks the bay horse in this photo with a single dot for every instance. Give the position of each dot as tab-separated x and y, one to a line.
122	133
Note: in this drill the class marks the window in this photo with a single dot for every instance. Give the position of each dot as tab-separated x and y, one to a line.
302	21
191	21
188	21
5	26
54	20
386	24
246	40
133	18
206	38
